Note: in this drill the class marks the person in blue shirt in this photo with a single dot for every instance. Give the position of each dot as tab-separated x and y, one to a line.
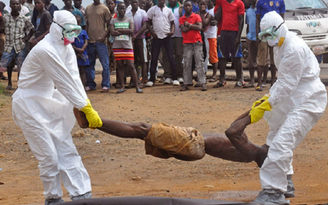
251	43
263	7
80	44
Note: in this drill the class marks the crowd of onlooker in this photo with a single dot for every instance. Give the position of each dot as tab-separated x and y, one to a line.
131	36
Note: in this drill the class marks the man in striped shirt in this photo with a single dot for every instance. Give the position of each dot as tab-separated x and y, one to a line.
18	30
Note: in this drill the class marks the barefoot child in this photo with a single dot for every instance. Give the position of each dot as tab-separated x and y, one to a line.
122	29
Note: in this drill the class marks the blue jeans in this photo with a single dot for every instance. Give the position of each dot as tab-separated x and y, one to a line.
101	50
7	57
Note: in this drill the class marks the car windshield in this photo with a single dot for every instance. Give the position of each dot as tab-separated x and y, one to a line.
304	4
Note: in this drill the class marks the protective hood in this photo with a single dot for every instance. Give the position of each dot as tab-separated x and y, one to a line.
61	17
273	19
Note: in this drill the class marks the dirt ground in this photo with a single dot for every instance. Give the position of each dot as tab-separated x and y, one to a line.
119	167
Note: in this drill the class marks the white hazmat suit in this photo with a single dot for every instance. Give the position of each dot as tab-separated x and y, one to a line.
298	99
49	87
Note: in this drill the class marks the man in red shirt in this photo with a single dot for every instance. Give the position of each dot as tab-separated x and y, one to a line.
232	13
190	25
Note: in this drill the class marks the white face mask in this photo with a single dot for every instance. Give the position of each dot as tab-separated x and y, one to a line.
273	42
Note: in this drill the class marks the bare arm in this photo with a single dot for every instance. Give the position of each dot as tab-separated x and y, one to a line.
206	20
141	30
258	19
114	32
218	14
128	31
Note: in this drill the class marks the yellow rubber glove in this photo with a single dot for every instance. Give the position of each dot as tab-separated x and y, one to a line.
92	116
257	112
265	97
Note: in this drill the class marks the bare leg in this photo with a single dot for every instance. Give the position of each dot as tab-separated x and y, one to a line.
120	73
137	130
133	73
222	67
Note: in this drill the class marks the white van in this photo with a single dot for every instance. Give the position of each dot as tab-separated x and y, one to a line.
307	18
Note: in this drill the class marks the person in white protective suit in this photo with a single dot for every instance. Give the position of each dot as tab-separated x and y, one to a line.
48	89
295	103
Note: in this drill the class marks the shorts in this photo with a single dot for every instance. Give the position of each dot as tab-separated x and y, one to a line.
212	50
226	48
166	141
140	51
8	57
264	54
123	54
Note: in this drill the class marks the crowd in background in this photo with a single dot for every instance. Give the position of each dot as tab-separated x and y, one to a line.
131	36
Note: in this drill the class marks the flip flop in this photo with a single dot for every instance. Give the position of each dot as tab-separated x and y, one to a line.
259	88
120	90
104	90
248	85
213	79
219	84
139	90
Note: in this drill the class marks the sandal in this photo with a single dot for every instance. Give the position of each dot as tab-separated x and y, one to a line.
138	90
259	88
184	88
213	79
120	90
246	85
204	88
220	84
87	89
105	90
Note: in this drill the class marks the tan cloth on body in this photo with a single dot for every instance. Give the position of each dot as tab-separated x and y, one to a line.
166	141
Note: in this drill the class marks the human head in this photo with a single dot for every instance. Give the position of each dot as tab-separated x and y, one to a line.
210	3
39	4
77	3
15	5
111	4
134	4
253	2
121	8
127	3
96	2
161	3
142	4
172	3
187	7
68	3
64	28
47	2
202	5
273	29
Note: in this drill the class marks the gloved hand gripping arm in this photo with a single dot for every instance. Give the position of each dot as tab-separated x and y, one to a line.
92	116
259	107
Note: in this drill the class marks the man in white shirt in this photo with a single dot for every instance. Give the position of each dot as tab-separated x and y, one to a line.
161	27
